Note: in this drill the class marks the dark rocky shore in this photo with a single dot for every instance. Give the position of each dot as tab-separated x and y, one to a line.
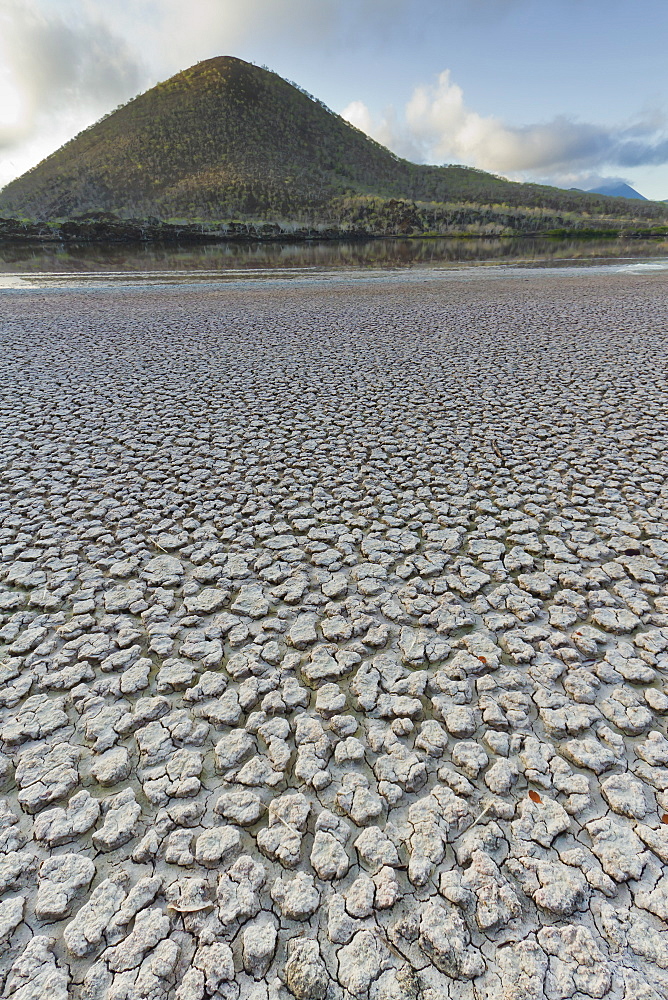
107	228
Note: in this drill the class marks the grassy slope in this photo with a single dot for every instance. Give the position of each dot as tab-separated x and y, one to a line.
226	140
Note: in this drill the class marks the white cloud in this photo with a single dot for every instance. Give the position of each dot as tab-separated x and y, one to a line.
387	130
438	127
57	76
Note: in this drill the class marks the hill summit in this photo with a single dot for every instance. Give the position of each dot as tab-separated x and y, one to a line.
228	140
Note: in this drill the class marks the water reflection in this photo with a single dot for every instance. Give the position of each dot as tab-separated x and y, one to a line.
395	253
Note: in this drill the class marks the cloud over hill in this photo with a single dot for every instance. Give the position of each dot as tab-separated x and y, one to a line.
438	126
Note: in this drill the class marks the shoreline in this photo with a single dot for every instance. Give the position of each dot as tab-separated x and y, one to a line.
312	276
139	234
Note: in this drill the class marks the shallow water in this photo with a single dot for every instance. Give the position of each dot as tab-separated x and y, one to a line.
99	265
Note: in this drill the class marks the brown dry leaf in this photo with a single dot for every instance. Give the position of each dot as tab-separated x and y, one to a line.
534	796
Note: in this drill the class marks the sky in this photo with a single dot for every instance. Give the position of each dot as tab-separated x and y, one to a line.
570	92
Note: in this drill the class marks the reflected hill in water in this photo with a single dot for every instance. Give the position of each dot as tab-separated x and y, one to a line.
389	253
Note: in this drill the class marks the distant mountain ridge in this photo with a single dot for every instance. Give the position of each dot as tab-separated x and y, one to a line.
618	191
228	140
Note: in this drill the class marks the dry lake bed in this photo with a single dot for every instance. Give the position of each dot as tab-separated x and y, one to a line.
334	632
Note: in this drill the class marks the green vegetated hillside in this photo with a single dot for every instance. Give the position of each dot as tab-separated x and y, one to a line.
229	141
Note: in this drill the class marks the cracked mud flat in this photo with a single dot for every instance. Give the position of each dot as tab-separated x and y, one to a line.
335	642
